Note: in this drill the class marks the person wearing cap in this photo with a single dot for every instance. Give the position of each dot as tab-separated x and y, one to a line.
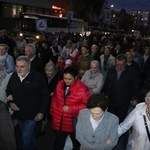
68	63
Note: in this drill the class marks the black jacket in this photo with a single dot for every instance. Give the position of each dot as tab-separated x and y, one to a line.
121	91
31	95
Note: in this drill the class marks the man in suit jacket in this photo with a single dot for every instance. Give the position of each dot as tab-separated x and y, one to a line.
120	87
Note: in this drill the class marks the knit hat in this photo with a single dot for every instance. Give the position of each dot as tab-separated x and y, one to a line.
68	61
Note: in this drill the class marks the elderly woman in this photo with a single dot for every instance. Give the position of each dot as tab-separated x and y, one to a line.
52	78
92	78
52	75
96	128
6	59
139	120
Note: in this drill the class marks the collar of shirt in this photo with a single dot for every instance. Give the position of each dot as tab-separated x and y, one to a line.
95	123
22	78
32	58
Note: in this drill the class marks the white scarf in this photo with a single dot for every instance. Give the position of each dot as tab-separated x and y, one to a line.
73	53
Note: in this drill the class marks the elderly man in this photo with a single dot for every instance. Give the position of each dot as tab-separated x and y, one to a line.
36	62
28	97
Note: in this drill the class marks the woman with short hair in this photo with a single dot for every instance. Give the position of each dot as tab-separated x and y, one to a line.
69	98
96	128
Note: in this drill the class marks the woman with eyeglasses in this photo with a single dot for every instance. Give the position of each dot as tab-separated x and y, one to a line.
96	128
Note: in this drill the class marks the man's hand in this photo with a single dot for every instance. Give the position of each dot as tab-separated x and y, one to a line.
14	107
38	117
9	98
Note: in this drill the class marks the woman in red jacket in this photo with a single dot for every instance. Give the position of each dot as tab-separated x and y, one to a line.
69	98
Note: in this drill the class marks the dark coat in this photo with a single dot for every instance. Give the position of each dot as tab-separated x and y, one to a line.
120	92
145	84
31	95
7	137
36	64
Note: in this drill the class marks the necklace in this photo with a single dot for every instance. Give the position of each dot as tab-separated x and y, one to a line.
148	113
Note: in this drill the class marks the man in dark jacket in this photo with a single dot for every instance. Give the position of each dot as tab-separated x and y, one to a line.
120	87
28	96
7	137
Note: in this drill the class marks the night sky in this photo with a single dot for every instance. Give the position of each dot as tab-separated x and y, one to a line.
130	5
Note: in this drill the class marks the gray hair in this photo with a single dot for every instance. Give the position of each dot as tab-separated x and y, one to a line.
95	62
32	47
147	98
51	66
94	45
23	58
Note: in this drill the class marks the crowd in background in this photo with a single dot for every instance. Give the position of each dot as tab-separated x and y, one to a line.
114	65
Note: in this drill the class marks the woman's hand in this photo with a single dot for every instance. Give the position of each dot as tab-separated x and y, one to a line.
65	109
92	86
108	141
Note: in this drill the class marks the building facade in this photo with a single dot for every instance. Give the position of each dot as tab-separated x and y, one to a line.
10	10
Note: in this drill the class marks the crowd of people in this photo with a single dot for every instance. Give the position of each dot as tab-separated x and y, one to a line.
92	88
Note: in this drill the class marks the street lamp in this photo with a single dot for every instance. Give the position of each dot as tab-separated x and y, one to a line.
111	6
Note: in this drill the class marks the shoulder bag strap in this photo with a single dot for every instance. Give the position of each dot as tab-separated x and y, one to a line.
145	122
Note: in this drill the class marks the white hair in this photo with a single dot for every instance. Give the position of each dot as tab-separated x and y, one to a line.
95	62
147	98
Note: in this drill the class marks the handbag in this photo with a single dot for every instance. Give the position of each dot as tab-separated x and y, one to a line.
145	122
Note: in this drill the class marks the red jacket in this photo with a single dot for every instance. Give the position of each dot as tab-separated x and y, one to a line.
75	101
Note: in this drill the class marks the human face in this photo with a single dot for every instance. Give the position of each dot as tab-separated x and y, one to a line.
49	73
94	68
69	79
118	47
96	113
28	52
22	68
2	50
93	49
84	50
129	57
107	51
120	65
